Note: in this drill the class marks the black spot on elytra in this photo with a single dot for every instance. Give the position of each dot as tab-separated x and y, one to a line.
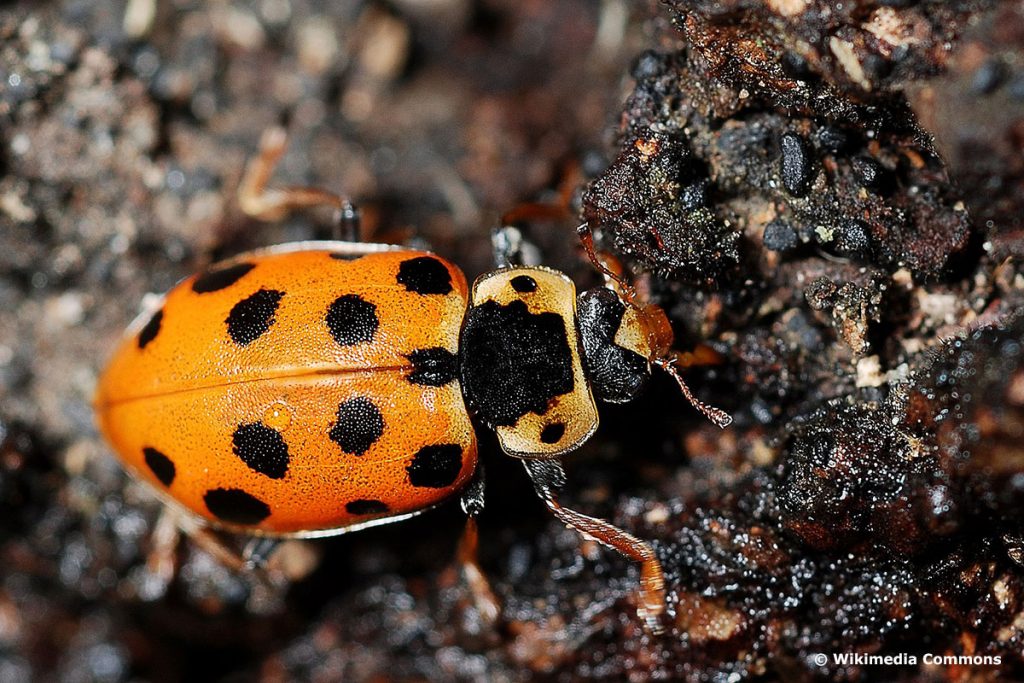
433	367
217	279
359	425
352	319
523	284
261	448
159	464
235	506
365	507
150	329
552	433
436	466
253	316
425	275
512	361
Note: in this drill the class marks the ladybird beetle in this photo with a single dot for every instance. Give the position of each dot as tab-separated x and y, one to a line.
316	388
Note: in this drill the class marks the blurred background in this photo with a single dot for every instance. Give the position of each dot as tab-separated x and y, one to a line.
827	197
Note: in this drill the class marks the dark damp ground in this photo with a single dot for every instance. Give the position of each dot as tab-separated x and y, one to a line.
829	195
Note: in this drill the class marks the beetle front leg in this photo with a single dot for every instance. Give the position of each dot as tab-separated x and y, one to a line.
548	477
467	556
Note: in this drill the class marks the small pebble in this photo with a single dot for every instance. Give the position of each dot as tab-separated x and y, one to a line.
779	236
694	196
647	65
796	164
868	171
852	238
988	77
795	66
1015	88
833	139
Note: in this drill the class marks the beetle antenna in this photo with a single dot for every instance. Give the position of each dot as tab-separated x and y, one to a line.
721	418
587	239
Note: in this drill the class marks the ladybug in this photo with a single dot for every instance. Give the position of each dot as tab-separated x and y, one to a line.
316	388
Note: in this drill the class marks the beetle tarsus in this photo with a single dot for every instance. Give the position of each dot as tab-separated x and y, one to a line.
548	476
257	552
265	203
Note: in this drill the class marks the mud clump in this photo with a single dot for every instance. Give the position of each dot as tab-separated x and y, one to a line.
852	478
875	192
653	200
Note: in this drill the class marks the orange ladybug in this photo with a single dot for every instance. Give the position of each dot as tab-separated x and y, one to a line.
316	388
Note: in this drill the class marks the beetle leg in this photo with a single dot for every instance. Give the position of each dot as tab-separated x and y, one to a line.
209	542
173	523
548	477
258	550
624	289
535	211
472	500
506	246
250	563
161	561
348	223
484	599
510	248
466	555
265	203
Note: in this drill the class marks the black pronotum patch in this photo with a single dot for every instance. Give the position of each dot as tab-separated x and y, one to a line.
425	275
253	316
433	367
352	319
436	466
616	374
261	448
159	464
552	433
513	361
217	279
359	425
365	507
151	329
235	506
